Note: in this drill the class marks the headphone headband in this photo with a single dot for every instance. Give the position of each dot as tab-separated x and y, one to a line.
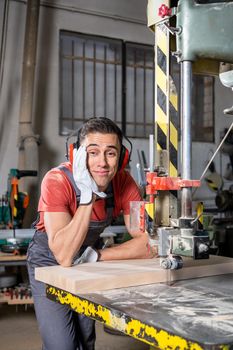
72	134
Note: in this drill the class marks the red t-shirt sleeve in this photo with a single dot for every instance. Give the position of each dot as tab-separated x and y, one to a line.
56	193
125	191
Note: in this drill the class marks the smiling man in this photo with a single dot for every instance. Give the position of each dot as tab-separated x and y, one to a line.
103	155
78	200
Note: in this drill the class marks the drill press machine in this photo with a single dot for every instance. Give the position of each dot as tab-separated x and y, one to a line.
199	34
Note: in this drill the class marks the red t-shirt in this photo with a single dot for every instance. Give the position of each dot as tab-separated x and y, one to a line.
58	195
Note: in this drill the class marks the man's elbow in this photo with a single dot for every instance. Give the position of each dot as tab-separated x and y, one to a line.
65	263
62	259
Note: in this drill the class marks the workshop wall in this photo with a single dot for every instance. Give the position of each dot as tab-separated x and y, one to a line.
113	18
116	19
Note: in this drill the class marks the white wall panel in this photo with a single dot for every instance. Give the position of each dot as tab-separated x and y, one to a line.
119	19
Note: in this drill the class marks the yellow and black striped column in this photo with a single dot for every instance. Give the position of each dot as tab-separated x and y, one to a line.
173	129
161	86
166	124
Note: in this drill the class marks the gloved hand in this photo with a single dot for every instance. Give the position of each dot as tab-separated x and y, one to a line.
89	255
82	177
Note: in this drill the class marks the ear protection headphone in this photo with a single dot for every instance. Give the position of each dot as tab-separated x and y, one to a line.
124	158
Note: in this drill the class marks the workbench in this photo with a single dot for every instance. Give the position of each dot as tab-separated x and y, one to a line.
9	259
191	314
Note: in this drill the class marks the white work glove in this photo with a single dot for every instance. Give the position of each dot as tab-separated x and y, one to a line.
89	255
82	177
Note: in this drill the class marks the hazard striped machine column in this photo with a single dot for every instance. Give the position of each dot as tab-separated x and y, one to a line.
166	124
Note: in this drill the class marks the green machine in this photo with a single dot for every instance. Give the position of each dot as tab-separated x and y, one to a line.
199	34
13	202
204	38
204	30
13	205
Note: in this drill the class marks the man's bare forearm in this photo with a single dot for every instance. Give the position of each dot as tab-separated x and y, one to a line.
66	241
136	248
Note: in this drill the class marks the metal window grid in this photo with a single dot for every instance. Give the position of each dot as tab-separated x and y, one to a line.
108	77
94	72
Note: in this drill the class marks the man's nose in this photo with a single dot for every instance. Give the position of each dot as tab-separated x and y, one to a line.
102	159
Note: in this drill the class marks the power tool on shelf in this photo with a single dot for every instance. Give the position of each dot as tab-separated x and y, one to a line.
13	205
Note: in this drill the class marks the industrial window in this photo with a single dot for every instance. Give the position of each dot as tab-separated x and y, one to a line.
106	77
139	116
202	104
203	109
115	79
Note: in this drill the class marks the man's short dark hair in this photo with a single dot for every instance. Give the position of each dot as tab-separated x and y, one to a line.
101	125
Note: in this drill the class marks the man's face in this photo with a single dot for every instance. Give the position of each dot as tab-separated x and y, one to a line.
103	152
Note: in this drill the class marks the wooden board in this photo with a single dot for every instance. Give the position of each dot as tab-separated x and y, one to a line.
93	277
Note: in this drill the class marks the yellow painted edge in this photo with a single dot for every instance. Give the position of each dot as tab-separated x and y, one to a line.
161	40
174	101
161	79
134	328
173	136
172	170
150	209
200	209
161	120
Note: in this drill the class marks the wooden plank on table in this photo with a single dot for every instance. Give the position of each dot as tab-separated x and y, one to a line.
104	275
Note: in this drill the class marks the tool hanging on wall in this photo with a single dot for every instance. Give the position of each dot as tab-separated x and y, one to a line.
13	207
18	201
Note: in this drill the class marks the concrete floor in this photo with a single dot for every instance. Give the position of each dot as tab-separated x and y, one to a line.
18	331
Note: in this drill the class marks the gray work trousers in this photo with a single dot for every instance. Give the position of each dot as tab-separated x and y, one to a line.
60	327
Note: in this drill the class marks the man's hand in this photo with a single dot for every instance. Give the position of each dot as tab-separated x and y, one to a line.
89	255
82	177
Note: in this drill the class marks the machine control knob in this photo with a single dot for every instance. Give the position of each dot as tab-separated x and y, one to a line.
181	245
172	262
164	11
203	248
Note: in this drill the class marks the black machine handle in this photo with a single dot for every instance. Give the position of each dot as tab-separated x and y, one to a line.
22	173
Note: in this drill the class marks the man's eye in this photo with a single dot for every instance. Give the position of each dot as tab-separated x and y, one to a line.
92	153
111	154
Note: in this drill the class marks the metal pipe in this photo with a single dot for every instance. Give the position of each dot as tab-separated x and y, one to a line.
151	152
186	136
3	40
26	135
28	141
30	44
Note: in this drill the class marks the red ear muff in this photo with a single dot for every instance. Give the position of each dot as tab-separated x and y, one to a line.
124	158
71	149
